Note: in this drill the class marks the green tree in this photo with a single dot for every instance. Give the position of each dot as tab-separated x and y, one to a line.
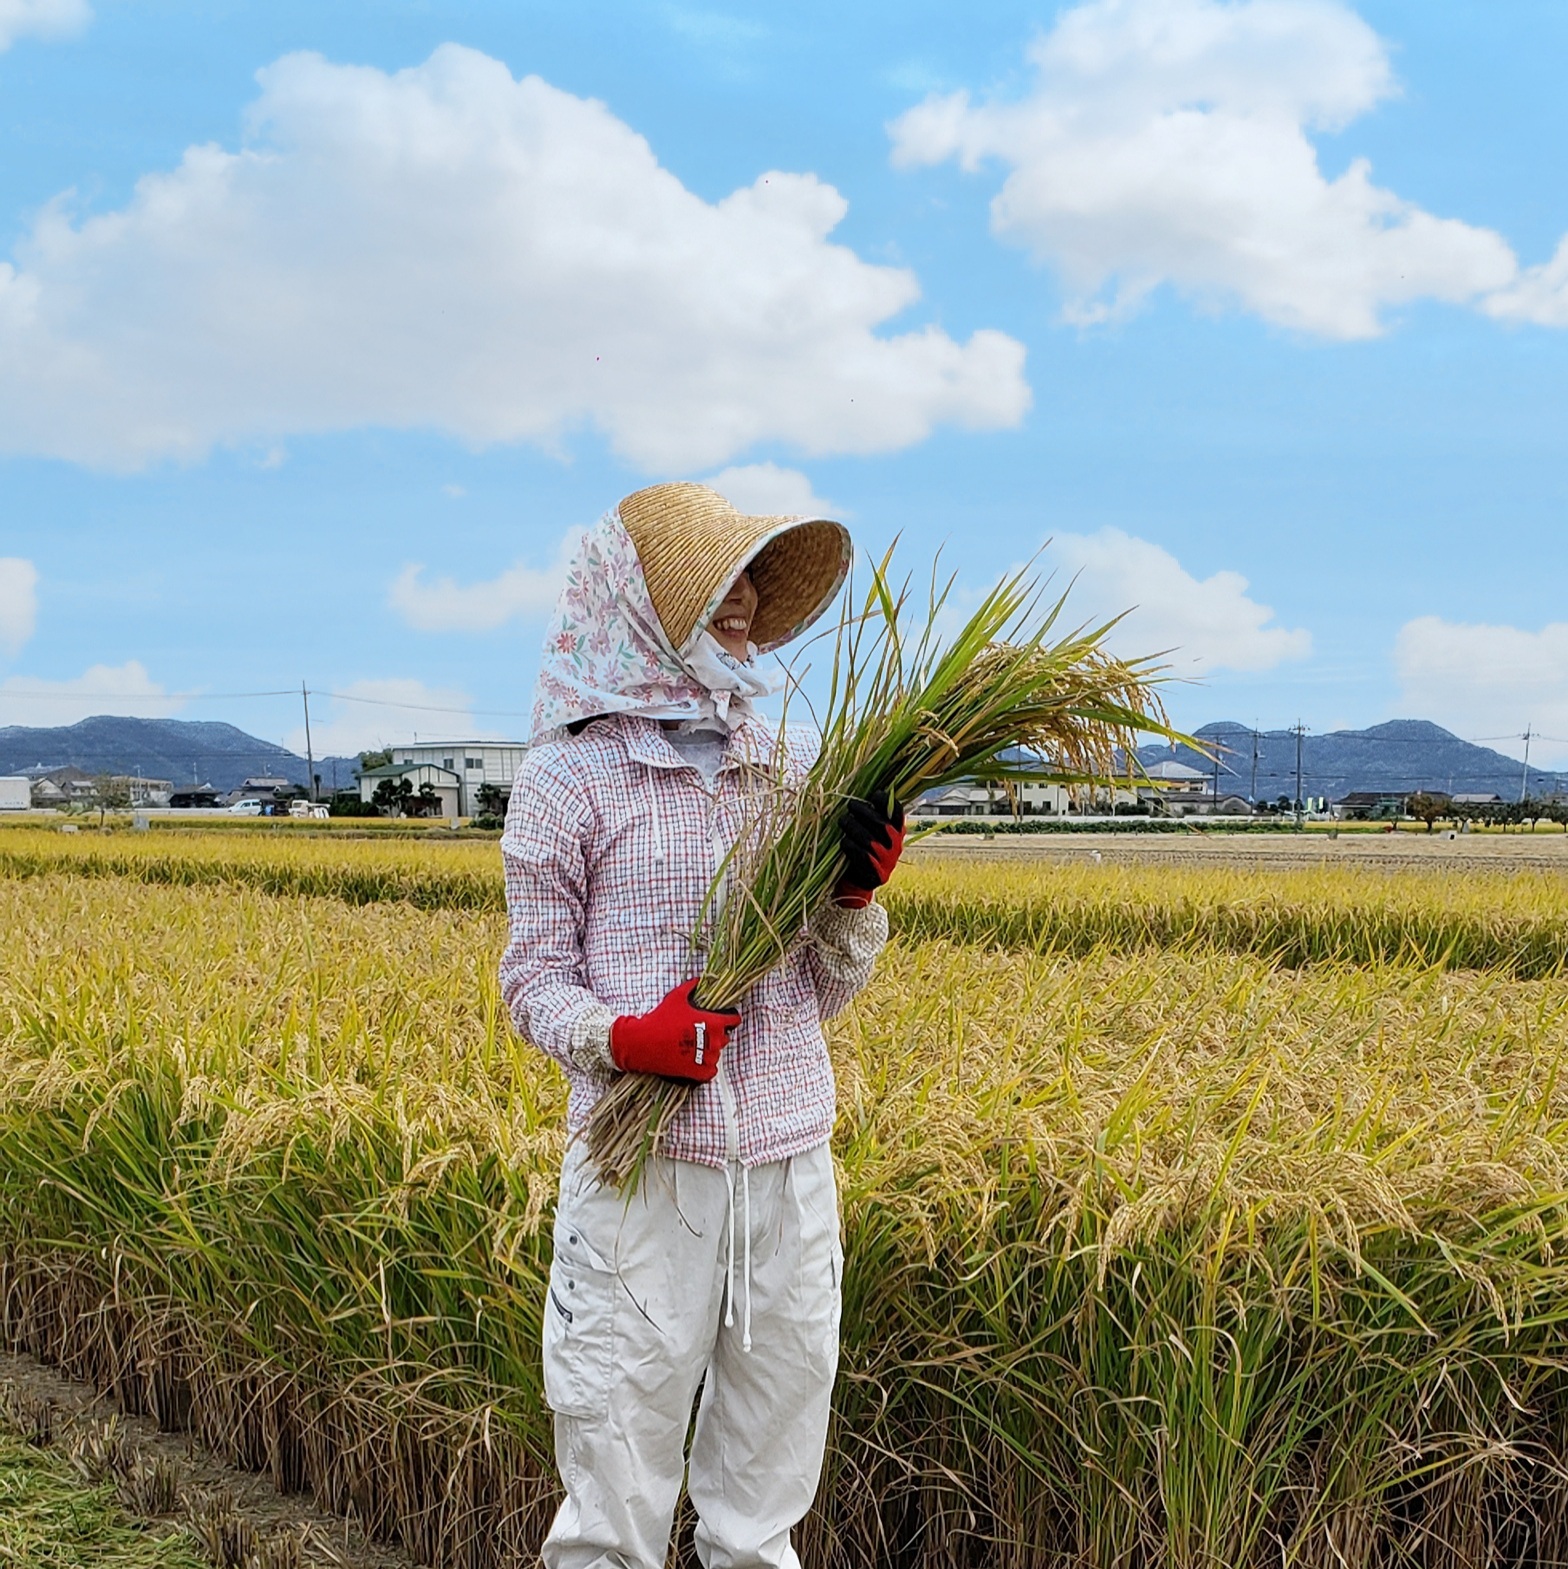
1427	808
111	793
393	796
369	760
492	801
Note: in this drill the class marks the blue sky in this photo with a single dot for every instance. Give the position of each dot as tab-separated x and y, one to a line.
321	326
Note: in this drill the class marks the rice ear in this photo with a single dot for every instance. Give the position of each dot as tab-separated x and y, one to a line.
901	718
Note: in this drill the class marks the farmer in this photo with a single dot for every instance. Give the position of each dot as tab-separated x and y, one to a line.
722	1269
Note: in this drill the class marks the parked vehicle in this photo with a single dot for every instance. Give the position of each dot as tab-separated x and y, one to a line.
249	807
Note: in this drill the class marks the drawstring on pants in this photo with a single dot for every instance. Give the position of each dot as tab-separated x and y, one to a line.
729	1275
745	1188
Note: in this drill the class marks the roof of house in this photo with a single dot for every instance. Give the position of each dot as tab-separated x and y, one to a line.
436	746
1169	768
397	770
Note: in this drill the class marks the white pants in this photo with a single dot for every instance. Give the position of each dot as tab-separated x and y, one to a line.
645	1304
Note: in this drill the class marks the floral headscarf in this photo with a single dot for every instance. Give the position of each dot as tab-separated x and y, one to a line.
605	651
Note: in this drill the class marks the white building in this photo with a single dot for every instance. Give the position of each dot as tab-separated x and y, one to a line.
16	793
463	767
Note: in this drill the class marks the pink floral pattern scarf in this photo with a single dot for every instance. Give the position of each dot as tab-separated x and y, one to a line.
605	651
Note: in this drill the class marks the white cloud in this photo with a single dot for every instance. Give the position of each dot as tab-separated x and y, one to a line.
368	715
1539	295
446	247
18	602
1480	680
1207	624
772	491
41	19
445	605
102	689
1166	141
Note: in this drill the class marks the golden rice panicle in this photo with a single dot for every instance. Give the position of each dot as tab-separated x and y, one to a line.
900	720
1220	1223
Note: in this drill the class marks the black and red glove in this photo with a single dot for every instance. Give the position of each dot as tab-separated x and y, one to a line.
872	843
677	1040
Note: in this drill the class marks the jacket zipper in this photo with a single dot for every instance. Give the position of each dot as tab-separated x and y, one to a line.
721	1078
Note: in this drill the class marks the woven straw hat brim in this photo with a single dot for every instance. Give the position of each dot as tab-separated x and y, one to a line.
692	545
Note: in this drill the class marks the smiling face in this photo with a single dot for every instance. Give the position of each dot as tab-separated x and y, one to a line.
731	622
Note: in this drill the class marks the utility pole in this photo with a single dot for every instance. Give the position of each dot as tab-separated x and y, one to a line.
1217	745
1524	784
1252	794
1301	730
310	757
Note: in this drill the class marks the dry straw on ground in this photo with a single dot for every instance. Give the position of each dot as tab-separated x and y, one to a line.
1154	1257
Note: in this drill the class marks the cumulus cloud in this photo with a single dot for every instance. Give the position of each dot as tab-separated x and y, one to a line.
772	491
18	602
1481	680
117	689
445	605
41	19
1207	624
1166	141
367	715
446	247
1538	295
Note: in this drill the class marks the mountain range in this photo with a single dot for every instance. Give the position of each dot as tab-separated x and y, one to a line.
186	751
1404	754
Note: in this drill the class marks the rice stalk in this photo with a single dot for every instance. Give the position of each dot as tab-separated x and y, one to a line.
902	717
1154	1255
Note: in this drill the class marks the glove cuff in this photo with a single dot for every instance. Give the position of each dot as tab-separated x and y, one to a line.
848	897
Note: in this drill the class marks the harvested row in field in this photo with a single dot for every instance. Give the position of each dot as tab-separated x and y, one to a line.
1512	923
1151	1261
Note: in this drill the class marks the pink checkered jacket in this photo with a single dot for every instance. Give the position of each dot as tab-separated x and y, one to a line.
611	841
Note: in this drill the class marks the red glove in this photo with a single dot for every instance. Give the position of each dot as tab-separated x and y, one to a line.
872	843
677	1040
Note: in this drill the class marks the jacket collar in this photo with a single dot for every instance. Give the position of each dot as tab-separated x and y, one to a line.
752	743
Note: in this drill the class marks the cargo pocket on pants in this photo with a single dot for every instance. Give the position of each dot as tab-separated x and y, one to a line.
578	1330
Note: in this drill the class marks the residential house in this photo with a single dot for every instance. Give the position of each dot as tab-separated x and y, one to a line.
146	792
268	789
467	765
445	782
195	796
1373	805
58	786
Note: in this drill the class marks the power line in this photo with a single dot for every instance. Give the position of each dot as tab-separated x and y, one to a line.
425	708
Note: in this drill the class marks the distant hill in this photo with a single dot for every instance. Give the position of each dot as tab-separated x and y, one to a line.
1404	754
186	751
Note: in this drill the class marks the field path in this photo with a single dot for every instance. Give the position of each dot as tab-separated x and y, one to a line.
1547	848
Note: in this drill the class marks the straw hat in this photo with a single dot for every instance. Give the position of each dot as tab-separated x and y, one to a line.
693	545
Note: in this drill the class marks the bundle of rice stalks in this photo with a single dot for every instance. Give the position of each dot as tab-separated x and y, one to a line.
1001	701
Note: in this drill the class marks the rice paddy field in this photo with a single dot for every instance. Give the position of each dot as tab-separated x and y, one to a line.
1195	1216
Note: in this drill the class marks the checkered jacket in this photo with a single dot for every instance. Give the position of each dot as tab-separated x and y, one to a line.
611	841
